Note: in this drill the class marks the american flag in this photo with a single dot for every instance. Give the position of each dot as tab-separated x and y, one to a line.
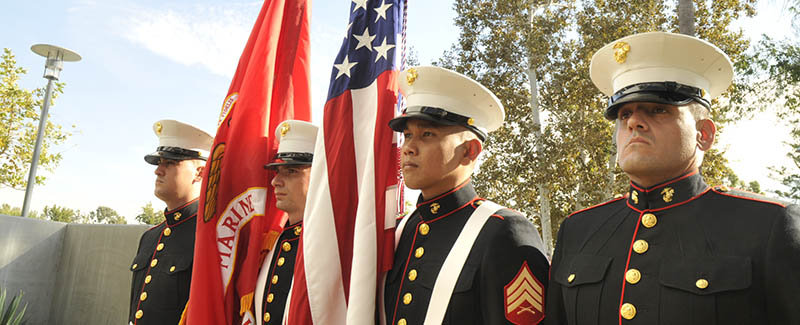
348	235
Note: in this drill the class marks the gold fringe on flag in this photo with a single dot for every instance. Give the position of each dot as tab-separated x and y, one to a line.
245	303
270	239
183	315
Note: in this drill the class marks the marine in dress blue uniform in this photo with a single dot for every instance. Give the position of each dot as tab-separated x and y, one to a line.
292	164
672	250
162	268
502	274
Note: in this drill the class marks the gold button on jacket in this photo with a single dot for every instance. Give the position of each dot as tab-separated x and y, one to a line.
627	311
412	275
640	246
633	276
649	220
407	298
424	229
701	284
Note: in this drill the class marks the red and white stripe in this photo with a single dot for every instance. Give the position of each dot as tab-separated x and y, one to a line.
351	206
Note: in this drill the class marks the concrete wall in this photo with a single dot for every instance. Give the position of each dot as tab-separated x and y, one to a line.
30	253
70	273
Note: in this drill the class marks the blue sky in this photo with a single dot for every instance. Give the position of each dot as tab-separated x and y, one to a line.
148	60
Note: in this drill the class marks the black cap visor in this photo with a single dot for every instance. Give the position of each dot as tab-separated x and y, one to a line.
437	116
172	153
290	159
670	93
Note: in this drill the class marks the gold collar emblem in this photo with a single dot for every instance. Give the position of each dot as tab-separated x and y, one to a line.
159	127
411	76
435	208
667	192
621	50
635	197
284	129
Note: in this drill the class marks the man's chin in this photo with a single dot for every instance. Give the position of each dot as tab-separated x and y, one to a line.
161	194
412	184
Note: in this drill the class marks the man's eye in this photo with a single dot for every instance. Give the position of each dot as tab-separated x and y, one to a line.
427	134
406	135
624	115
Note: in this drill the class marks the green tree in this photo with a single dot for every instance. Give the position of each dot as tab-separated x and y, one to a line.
20	111
149	215
104	214
555	153
774	70
790	177
8	210
62	214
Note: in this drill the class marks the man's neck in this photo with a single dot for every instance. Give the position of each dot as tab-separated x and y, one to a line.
444	186
177	203
295	218
648	182
442	190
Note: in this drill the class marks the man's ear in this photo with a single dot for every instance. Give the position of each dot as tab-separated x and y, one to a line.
473	149
706	133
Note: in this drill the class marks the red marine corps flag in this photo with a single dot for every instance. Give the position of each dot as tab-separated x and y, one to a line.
240	220
348	237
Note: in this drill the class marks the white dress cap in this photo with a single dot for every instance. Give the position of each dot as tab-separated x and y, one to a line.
661	57
440	88
296	143
179	141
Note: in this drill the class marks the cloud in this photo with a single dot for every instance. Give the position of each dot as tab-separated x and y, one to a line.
212	36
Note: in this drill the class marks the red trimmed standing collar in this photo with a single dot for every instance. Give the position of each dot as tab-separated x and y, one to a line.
181	214
447	202
667	194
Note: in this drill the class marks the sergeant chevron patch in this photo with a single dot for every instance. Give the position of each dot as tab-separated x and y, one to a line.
524	298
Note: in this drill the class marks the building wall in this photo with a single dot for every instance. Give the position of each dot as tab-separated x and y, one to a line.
30	253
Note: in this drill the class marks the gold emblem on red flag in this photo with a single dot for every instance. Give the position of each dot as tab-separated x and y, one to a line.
524	298
214	169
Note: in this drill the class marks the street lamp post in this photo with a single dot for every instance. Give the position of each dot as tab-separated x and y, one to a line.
56	56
